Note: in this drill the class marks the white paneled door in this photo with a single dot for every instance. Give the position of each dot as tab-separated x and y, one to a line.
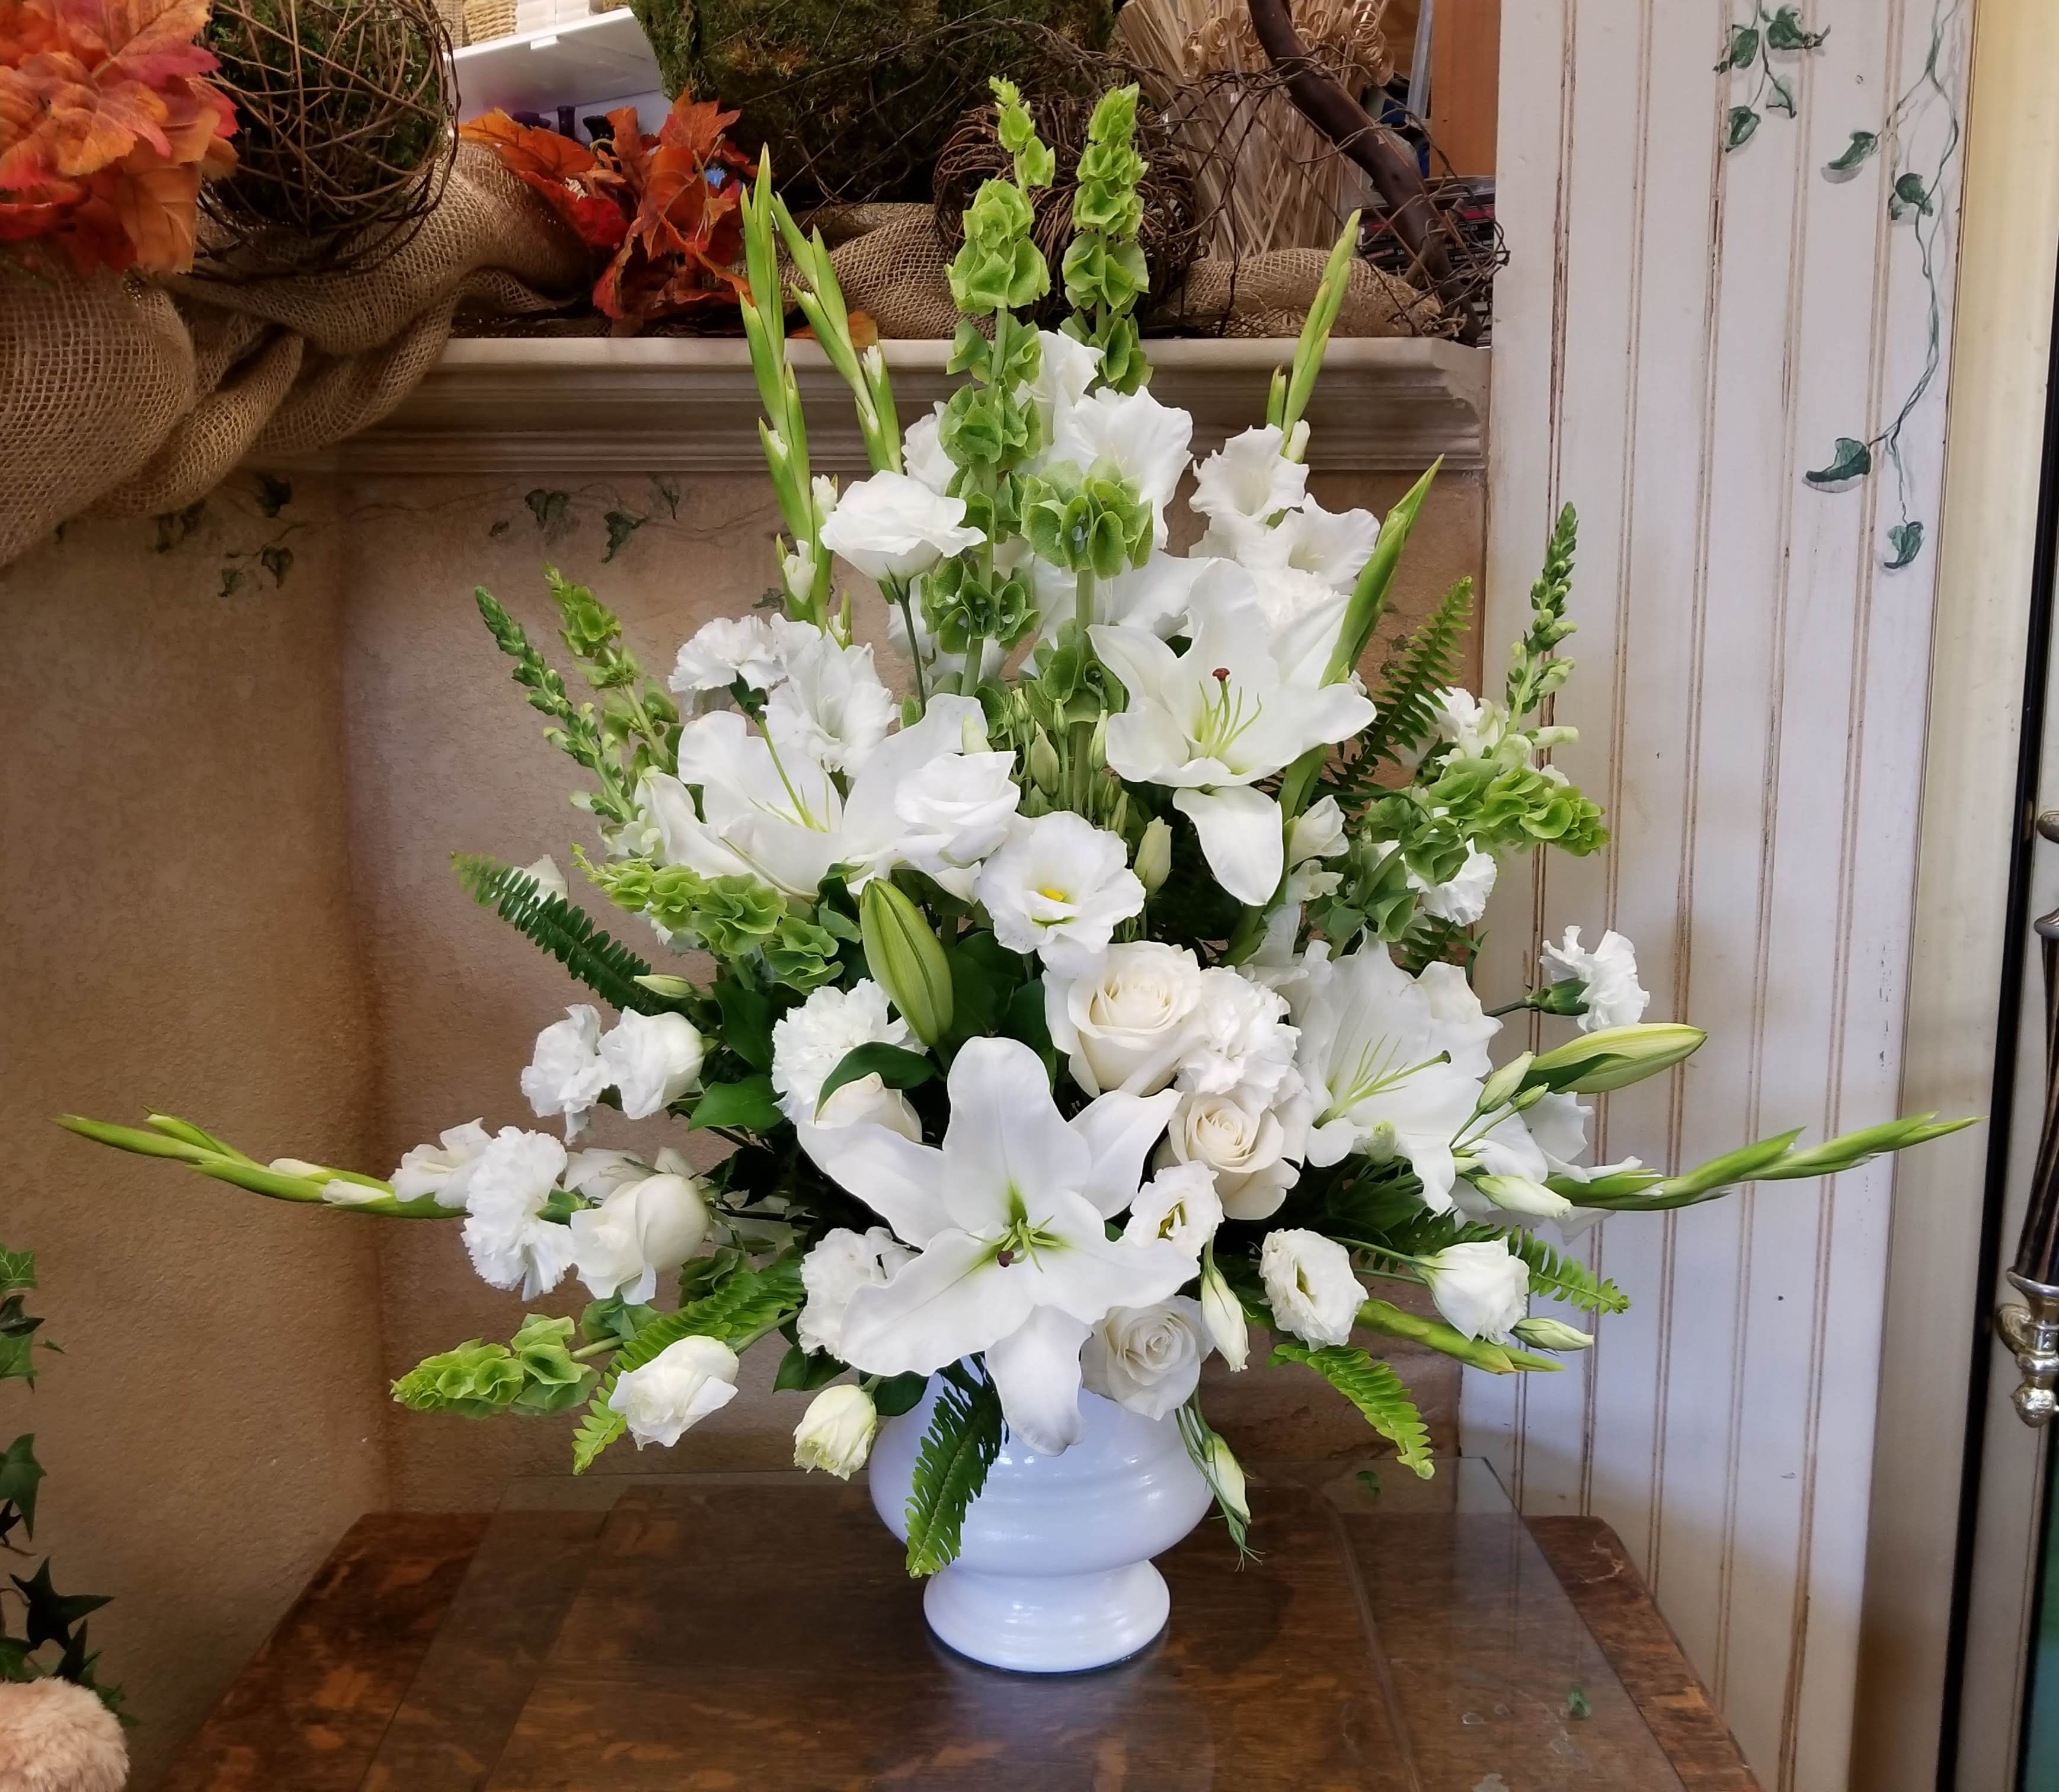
1684	331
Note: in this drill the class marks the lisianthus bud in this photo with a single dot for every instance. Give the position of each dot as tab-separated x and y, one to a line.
835	1433
1222	1313
1482	1288
906	959
1226	1476
1551	1334
1614	1057
1154	855
1520	1194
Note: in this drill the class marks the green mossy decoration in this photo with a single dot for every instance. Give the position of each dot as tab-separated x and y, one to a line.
855	97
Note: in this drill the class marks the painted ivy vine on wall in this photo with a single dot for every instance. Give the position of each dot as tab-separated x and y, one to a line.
1750	51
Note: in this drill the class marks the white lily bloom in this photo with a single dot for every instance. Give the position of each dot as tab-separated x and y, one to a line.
676	1390
443	1170
1214	720
892	526
725	650
831	704
1482	1289
1309	1284
923	452
1377	1061
841	1262
510	1246
1463	1027
1148	1359
1614	998
1240	1038
1249	479
835	1433
1128	1019
1332	546
1058	887
1179	1205
1247	1150
566	1076
1144	440
1153	595
809	1041
1009	1216
954	814
651	1060
641	1231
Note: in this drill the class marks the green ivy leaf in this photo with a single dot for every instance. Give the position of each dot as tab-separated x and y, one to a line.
1909	195
895	1066
748	1106
804	1370
1785	30
232	581
20	1474
1743	121
1859	150
273	494
1743	47
1905	542
621	526
746	1021
1850	459
51	1614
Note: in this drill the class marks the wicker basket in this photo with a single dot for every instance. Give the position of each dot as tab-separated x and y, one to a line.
486	19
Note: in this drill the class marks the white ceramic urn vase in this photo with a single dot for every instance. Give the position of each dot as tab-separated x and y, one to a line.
1055	1574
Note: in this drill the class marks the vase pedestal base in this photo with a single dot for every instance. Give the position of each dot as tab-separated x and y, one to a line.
1047	1623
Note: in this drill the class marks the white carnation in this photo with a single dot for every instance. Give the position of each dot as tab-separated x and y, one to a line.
810	1041
1613	996
566	1075
510	1245
842	1262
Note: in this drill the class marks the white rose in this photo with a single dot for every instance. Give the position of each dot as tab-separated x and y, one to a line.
1129	1021
866	1100
1058	887
1482	1289
891	526
723	651
641	1231
1245	1148
1179	1204
1240	1039
565	1074
1148	1359
510	1246
835	1433
810	1041
676	1390
1308	1280
652	1060
444	1170
1613	996
842	1262
955	812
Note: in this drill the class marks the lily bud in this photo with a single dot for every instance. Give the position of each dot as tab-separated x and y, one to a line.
1154	855
1222	1313
907	959
1614	1057
1519	1194
1551	1334
1502	1088
1044	768
835	1433
1525	1099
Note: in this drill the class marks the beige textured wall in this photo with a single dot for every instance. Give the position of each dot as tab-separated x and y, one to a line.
175	929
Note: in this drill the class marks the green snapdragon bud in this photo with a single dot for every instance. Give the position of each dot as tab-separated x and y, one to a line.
906	959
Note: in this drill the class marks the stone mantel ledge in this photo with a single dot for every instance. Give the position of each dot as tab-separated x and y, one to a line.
635	404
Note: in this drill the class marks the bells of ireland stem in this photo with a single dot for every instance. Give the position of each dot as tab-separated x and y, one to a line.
1613	1057
906	959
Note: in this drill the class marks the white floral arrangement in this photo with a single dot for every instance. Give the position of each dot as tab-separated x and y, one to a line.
1100	996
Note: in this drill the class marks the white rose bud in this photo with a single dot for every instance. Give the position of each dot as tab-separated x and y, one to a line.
676	1390
652	1060
1551	1334
641	1231
867	1099
1154	855
1148	1359
1222	1313
835	1433
1483	1289
1308	1281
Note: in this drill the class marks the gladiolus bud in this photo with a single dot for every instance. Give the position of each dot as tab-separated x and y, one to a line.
835	1433
1222	1313
1519	1194
1551	1334
907	959
1154	855
1614	1057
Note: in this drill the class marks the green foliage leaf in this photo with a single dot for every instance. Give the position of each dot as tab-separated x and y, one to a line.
621	526
748	1016
804	1370
603	964
1905	542
1743	47
20	1476
1854	154
748	1106
895	1066
17	1270
51	1614
957	1450
1376	1390
1850	459
898	1394
1561	1277
1429	659
1742	122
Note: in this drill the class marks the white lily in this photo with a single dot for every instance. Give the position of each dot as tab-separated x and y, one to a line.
1214	720
1009	1216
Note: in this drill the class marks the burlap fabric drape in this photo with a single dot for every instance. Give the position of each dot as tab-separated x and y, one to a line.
128	398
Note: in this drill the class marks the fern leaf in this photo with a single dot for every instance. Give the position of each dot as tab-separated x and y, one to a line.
1564	1278
957	1450
603	964
1377	1391
1424	664
749	1304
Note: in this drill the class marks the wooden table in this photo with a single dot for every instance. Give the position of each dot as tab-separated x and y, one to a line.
755	1632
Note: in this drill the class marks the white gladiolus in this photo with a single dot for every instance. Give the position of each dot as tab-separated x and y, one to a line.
835	1433
545	874
510	1245
1153	595
641	1231
651	1060
1148	1359
1058	888
1464	899
1475	726
1310	1282
1178	1204
1482	1289
443	1170
725	650
831	706
1331	546
810	1041
1065	368
1128	1022
1523	1195
841	1262
923	452
892	527
1318	832
1609	970
1248	479
566	1076
676	1390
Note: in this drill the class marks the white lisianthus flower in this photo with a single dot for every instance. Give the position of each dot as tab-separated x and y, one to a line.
1144	440
1248	479
923	452
1613	996
1058	887
1246	1149
545	874
725	650
890	526
1179	1205
641	1231
841	1262
1240	1038
676	1390
1309	1284
1464	899
566	1075
1010	1217
1482	1289
652	1060
831	705
1331	546
444	1170
1148	1359
1318	832
1213	721
510	1245
1127	1021
835	1433
954	813
809	1041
